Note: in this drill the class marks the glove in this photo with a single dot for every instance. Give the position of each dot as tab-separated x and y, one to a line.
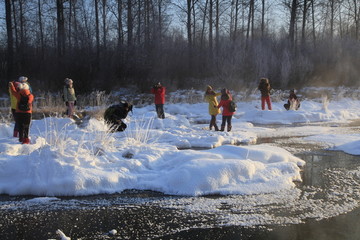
67	103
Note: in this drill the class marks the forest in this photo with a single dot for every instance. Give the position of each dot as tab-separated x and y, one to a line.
108	44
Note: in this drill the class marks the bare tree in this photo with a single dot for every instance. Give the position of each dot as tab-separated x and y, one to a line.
10	40
293	12
304	20
104	11
119	23
130	25
60	28
262	18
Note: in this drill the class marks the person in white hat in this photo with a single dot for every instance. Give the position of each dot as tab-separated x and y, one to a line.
69	96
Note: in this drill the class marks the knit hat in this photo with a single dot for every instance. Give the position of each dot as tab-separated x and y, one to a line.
22	79
68	81
23	86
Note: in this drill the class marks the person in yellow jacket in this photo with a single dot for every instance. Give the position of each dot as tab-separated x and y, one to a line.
210	97
13	103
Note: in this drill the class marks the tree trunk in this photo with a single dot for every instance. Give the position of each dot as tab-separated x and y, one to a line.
332	16
119	23
211	28
42	47
262	18
97	29
10	40
130	27
217	22
104	24
292	22
188	23
250	19
303	29
313	22
203	25
61	28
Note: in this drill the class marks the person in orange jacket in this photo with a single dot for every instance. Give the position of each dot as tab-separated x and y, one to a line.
23	110
226	98
159	91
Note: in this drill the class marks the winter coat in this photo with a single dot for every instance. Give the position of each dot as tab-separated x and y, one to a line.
159	94
13	100
225	104
211	99
69	94
293	98
24	92
117	112
264	88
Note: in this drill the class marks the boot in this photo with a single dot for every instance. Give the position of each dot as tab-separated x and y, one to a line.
216	128
222	128
16	133
228	128
26	141
210	127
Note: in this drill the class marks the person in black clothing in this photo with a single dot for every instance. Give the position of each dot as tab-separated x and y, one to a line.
293	102
115	114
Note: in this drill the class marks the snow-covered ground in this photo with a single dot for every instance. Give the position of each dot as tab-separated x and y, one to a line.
177	155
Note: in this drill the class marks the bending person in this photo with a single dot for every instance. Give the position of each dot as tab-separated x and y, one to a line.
115	114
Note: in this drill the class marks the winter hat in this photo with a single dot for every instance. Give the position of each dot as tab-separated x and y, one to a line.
224	91
22	79
68	81
23	86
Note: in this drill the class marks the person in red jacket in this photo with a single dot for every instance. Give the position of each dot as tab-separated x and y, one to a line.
23	110
265	88
159	91
226	98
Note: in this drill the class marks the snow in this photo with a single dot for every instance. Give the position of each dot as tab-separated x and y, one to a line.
177	155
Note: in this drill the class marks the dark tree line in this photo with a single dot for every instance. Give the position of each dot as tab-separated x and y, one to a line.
105	44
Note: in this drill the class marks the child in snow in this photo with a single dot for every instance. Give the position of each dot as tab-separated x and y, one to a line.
159	91
293	102
226	98
264	87
115	114
69	96
210	97
23	110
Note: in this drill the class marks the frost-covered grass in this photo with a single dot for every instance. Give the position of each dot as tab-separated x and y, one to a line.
95	103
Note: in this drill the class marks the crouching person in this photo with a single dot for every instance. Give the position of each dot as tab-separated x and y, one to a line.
293	102
23	110
115	114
